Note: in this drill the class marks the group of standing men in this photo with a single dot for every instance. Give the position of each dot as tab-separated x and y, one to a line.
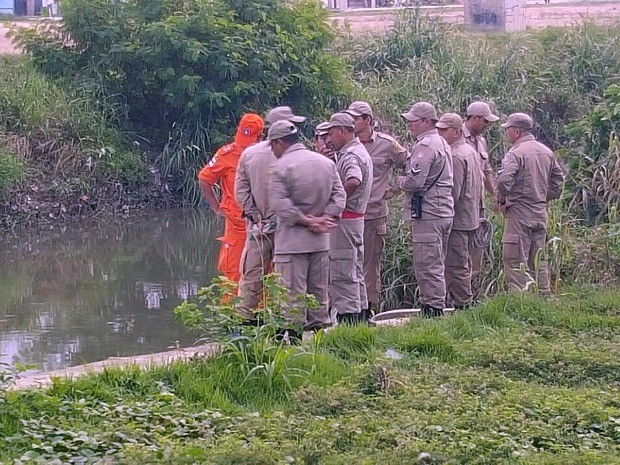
319	218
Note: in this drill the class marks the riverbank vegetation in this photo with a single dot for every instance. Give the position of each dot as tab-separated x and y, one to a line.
158	91
518	380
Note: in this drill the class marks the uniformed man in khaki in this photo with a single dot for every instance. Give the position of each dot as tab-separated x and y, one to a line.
467	194
478	118
320	141
308	199
428	204
530	177
347	287
386	154
252	194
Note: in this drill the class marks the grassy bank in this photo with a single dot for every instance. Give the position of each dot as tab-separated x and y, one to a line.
62	150
518	380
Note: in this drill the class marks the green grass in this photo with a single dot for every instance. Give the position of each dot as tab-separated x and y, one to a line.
71	138
518	380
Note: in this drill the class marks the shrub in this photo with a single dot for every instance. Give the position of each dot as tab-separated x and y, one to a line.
189	69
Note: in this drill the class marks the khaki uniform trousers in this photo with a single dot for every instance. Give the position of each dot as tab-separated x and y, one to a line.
374	243
255	263
430	244
305	273
459	267
347	288
523	246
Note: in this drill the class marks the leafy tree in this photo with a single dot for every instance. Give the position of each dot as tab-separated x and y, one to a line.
187	69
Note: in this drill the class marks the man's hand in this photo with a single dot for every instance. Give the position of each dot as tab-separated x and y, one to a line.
321	224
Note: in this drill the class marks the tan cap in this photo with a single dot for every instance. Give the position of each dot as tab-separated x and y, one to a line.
449	120
321	129
281	129
482	109
282	113
420	110
359	108
343	120
519	121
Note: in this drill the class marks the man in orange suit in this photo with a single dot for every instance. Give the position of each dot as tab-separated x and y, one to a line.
223	168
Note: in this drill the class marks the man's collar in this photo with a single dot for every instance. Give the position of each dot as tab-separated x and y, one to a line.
426	134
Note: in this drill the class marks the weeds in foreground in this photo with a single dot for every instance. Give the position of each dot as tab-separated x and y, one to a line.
258	352
517	380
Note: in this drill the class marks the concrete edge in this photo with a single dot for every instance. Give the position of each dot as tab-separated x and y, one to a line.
44	380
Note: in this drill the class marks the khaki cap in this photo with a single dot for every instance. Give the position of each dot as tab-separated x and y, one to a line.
519	121
482	109
420	110
449	120
343	120
359	108
281	129
282	113
321	129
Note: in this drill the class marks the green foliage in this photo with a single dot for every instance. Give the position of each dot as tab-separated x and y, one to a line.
532	385
62	133
259	356
12	170
190	69
594	162
557	75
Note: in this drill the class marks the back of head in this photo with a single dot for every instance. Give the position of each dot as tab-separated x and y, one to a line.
282	114
249	130
520	121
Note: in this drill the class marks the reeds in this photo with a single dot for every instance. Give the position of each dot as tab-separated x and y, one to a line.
567	78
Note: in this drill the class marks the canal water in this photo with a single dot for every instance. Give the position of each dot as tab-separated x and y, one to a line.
85	292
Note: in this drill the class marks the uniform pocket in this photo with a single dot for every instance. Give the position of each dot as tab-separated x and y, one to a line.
426	248
512	247
382	229
341	265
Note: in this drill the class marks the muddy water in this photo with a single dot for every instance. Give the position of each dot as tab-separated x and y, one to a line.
89	291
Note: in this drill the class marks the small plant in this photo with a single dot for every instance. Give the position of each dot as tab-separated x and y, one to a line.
259	352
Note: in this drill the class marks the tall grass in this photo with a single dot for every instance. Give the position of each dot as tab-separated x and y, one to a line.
564	77
69	133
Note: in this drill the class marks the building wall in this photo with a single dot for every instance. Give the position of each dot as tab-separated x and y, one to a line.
536	16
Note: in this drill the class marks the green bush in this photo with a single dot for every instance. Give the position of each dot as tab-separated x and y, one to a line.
68	132
187	70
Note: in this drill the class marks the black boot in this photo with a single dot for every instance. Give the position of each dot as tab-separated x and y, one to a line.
349	318
431	312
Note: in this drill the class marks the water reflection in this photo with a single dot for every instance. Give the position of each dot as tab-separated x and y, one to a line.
85	293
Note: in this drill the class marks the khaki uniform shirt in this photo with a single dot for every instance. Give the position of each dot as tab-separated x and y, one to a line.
385	154
353	161
252	181
429	173
468	185
304	182
530	176
479	144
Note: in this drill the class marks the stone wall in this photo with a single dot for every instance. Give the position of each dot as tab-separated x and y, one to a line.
536	16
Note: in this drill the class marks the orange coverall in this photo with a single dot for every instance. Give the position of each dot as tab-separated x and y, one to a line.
223	168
